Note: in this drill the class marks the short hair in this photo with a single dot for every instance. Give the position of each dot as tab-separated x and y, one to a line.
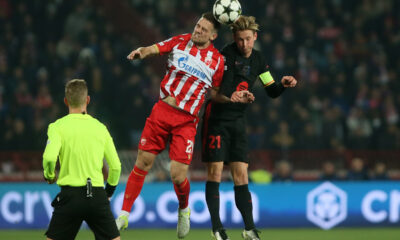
244	23
210	17
76	92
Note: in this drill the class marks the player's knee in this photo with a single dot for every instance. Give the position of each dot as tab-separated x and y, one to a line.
178	172
214	172
240	178
117	238
177	177
145	160
214	176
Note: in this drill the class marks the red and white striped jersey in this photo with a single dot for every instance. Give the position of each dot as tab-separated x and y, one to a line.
190	72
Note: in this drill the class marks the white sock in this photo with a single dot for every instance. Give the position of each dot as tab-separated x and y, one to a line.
184	209
124	213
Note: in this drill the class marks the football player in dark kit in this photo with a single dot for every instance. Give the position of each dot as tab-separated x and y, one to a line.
224	129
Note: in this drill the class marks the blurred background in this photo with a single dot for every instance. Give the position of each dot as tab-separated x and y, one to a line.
342	117
341	123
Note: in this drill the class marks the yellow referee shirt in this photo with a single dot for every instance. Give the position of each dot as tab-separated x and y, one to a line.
81	142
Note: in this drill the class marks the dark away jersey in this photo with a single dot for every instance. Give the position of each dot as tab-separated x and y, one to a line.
240	74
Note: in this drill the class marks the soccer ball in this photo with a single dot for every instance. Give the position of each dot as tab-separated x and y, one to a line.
227	11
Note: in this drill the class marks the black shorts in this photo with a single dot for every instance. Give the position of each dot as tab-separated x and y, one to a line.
224	141
71	207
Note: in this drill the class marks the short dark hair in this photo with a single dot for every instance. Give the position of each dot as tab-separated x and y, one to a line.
76	92
210	17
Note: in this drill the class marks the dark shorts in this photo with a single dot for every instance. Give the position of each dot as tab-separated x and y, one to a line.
71	207
224	141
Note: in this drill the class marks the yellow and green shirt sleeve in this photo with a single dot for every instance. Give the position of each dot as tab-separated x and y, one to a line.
114	164
51	152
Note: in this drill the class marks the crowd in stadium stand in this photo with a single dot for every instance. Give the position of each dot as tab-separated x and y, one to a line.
344	54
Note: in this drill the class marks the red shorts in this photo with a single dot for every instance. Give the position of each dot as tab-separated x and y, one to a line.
166	122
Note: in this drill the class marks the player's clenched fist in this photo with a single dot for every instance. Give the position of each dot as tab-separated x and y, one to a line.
242	97
288	81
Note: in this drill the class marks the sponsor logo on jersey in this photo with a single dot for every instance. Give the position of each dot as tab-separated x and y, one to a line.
208	61
242	86
183	65
246	70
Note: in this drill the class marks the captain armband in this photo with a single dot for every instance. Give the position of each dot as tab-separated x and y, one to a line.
266	78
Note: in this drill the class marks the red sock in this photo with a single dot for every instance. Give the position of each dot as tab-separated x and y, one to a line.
133	188
182	192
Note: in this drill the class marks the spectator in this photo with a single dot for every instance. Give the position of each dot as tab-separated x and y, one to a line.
308	138
283	172
328	172
347	93
379	172
357	171
282	140
260	176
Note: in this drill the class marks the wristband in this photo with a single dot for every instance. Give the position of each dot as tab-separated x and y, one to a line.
110	190
266	78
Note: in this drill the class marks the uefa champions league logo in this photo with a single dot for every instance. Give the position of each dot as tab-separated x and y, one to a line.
326	205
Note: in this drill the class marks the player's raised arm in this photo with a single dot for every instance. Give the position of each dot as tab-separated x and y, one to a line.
274	89
143	52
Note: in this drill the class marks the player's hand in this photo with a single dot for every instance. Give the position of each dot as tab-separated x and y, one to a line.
50	181
288	81
242	97
135	54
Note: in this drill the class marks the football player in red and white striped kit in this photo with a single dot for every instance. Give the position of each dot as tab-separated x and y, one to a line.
194	66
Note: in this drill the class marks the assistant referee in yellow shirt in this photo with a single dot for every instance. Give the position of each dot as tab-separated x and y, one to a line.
81	142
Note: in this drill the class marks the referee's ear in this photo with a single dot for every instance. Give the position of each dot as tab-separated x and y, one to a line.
66	101
87	100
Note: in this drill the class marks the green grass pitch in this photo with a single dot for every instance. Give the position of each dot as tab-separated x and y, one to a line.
234	234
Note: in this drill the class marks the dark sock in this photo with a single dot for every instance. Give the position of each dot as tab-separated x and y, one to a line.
212	198
245	205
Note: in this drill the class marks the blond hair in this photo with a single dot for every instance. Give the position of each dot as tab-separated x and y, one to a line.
76	92
244	23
